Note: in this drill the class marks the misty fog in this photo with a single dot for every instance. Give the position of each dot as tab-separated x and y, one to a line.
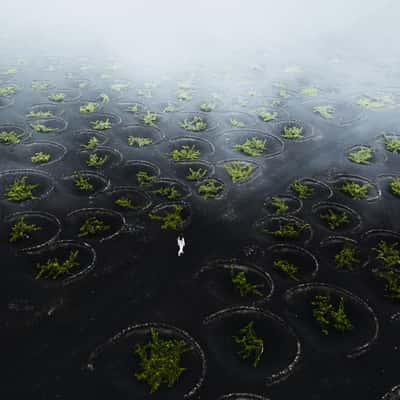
170	33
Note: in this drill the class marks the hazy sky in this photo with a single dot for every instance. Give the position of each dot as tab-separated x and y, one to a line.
190	13
176	25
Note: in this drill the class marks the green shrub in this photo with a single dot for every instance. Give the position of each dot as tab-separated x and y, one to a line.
335	220
310	91
185	153
392	144
324	111
355	190
207	107
88	107
10	137
244	287
196	124
347	257
266	115
160	361
54	268
101	125
96	161
289	230
184	95
253	147
302	190
91	226
210	189
196	175
170	192
150	118
40	157
235	123
249	344
20	190
325	314
392	279
135	108
361	156
145	178
40	128
20	230
388	253
280	205
124	202
171	219
292	132
57	97
395	186
40	114
137	141
239	171
7	90
375	102
82	183
91	144
288	268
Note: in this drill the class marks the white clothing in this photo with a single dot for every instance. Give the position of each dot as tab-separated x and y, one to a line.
181	244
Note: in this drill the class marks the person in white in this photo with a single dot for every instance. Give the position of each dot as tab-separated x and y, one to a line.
181	244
